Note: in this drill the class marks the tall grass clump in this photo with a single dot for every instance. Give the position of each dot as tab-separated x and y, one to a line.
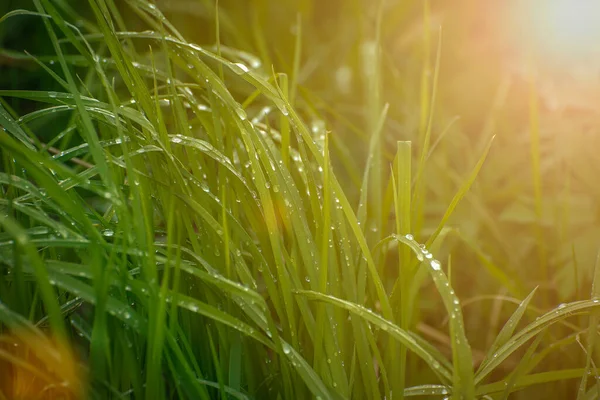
181	221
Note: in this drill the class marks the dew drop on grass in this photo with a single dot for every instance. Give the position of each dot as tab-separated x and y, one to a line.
176	139
435	265
255	63
286	348
108	233
241	113
317	126
239	68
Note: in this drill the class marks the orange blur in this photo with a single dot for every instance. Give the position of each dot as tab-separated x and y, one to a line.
34	366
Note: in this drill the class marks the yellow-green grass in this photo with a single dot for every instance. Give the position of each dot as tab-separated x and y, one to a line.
225	220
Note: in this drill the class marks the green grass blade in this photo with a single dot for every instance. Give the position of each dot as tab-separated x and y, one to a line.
508	329
396	332
461	193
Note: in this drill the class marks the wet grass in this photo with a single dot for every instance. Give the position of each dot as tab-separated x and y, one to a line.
201	224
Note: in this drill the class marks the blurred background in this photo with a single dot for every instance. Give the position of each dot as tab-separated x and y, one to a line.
526	72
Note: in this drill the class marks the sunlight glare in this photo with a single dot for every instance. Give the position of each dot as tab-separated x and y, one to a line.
566	28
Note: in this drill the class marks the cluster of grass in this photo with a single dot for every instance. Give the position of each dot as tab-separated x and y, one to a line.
184	221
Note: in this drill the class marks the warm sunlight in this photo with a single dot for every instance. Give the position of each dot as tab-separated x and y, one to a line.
561	38
37	366
565	28
299	199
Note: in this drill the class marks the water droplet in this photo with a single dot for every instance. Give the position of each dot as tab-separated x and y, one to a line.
255	63
108	233
176	139
286	348
241	113
435	265
239	68
317	126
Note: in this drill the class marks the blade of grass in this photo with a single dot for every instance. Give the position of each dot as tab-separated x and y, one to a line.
592	333
460	194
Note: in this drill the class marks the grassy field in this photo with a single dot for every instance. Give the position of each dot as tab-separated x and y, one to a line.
275	199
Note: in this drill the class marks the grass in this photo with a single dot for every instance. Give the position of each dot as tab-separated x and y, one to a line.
187	221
